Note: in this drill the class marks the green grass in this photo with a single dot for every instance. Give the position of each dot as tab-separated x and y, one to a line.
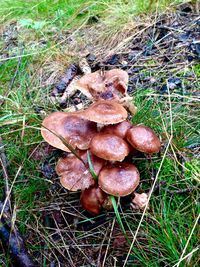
167	225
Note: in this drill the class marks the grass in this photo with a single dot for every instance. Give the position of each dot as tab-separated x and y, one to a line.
36	60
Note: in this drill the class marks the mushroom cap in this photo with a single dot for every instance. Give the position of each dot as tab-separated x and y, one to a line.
143	139
92	199
74	175
104	85
119	180
119	129
77	131
120	79
109	147
105	112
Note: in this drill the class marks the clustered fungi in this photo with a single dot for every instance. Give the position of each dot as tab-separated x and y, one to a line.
101	135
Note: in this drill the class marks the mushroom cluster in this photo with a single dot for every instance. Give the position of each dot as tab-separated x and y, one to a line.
99	136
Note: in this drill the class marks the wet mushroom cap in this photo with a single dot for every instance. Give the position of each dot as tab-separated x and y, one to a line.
76	131
105	112
109	147
74	174
92	199
119	129
119	180
143	139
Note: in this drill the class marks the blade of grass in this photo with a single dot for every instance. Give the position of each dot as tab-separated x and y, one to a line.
72	150
92	171
118	217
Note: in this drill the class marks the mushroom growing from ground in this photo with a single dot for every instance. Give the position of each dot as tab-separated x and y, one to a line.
143	139
74	173
109	147
76	131
92	199
120	179
80	132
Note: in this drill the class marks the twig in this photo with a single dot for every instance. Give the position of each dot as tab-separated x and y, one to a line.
14	243
4	164
180	191
9	234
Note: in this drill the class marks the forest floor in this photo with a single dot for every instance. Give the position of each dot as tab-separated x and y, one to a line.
159	47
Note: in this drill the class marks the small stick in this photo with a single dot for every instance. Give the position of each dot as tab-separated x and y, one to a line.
9	234
4	164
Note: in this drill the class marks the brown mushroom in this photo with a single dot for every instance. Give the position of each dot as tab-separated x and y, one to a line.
92	199
143	139
105	112
109	147
74	173
119	129
104	85
119	180
76	131
119	78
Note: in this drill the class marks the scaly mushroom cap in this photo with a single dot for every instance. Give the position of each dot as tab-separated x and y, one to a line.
92	199
119	180
143	139
109	147
119	129
74	175
105	112
77	131
104	85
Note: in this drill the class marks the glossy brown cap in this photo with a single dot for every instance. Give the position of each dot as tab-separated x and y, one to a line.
105	112
143	139
119	180
92	199
74	175
76	131
119	129
109	147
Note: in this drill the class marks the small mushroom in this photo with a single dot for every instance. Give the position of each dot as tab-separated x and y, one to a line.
109	147
143	139
139	201
104	112
74	173
77	131
119	129
92	199
119	180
